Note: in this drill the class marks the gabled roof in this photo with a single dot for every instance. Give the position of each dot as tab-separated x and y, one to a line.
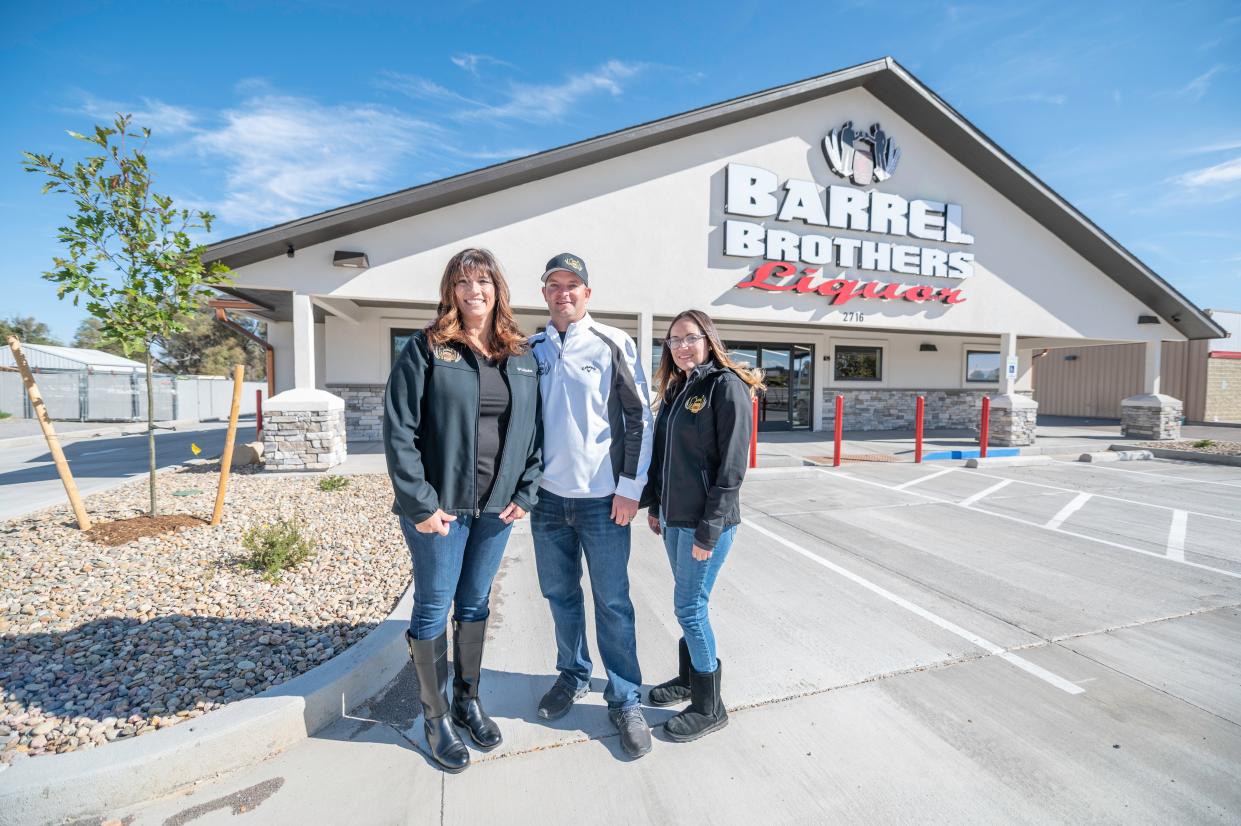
885	79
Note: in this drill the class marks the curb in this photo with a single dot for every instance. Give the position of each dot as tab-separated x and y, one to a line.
89	783
1116	456
1188	456
1009	461
101	432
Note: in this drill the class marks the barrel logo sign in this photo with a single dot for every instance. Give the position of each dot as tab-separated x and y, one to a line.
866	157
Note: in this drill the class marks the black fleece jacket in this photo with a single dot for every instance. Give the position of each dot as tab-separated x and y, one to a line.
430	432
701	451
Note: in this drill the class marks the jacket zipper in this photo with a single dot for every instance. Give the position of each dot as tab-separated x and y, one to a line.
676	405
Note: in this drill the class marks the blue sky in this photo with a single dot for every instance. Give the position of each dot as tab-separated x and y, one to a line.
264	112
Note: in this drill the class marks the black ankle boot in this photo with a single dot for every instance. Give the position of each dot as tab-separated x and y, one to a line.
467	661
706	713
431	665
675	690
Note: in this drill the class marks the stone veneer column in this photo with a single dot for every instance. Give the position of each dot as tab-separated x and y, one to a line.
1151	416
1012	420
364	410
303	430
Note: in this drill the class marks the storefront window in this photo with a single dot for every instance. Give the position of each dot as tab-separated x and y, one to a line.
982	366
399	338
859	363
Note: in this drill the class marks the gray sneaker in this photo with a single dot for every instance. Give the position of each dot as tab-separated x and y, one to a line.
559	699
635	734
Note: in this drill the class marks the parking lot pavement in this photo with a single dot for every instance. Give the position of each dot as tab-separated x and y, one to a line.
1049	644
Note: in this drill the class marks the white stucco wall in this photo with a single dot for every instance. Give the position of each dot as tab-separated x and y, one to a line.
649	226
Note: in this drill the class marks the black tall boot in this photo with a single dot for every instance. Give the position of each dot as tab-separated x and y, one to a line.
675	690
467	661
431	665
706	713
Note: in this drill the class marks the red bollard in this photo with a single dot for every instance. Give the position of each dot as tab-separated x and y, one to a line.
986	421
258	415
840	421
754	432
918	429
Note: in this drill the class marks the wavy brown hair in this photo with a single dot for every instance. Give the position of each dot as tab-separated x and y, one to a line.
669	377
503	336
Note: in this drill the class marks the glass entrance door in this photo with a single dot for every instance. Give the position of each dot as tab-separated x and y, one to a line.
788	374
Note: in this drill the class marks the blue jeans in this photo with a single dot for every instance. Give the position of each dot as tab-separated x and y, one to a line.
692	596
458	568
565	530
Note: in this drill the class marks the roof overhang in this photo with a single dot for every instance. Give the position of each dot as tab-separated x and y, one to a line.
889	82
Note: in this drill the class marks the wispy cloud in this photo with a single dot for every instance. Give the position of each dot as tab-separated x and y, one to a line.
1228	172
160	117
1221	146
541	103
420	88
283	155
470	62
1196	88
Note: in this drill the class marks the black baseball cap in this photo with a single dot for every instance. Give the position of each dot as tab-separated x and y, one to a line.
570	263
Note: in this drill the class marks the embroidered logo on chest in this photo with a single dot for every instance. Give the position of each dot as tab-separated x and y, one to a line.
545	367
696	403
590	368
446	353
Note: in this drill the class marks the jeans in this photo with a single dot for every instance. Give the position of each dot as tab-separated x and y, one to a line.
565	530
692	595
458	568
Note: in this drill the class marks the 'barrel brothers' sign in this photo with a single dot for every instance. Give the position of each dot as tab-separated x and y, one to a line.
864	157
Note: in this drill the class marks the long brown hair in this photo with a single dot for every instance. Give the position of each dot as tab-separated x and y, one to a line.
668	377
503	336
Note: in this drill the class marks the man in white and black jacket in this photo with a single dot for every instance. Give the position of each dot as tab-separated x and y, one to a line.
596	450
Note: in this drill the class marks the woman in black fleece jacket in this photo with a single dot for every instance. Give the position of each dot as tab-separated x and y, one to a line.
701	447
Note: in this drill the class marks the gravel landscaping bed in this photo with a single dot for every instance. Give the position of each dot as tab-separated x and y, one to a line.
1218	448
99	643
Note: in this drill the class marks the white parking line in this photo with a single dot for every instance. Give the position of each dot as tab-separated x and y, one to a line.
99	452
983	494
922	479
1010	518
1099	495
985	644
1176	535
1068	510
1183	480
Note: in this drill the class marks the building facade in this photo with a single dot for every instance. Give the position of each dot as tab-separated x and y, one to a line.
851	234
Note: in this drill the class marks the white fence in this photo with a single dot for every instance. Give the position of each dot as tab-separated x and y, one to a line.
122	397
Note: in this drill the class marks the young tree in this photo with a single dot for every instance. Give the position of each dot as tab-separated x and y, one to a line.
27	329
89	335
130	254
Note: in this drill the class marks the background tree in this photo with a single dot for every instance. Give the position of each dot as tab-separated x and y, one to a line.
89	335
27	329
204	347
130	254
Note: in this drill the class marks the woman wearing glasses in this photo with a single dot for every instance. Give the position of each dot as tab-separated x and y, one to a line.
701	445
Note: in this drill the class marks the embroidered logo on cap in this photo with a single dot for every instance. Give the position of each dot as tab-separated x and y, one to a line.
574	263
695	404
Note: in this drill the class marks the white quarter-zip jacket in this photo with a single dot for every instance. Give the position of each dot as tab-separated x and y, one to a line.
596	412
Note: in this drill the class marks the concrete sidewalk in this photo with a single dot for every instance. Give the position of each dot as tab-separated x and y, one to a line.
15	432
901	643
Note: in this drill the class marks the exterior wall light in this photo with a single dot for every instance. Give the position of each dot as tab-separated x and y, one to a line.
1148	319
927	348
1070	358
352	260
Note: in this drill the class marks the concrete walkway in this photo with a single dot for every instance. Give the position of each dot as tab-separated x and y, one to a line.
901	643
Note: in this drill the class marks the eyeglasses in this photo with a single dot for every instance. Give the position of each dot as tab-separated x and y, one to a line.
676	342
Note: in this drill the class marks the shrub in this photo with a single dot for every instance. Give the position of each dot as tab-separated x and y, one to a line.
276	547
333	482
4	415
1203	443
